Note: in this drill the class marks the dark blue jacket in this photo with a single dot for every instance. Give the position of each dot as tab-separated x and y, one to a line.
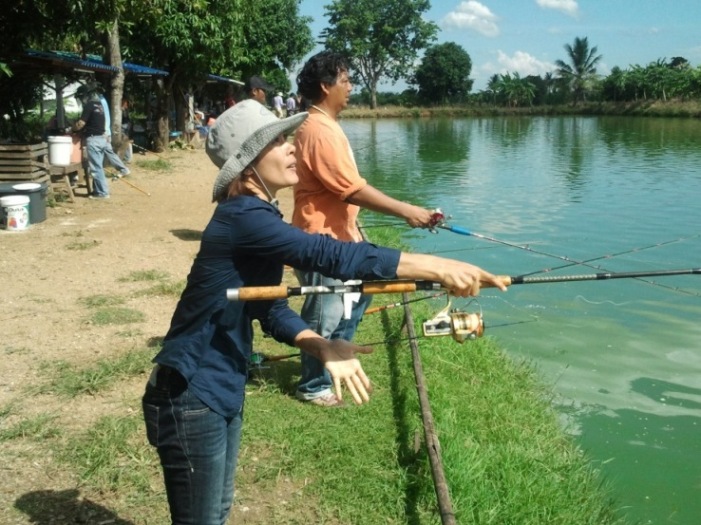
246	243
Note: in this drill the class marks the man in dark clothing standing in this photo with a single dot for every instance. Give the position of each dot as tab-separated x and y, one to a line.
91	125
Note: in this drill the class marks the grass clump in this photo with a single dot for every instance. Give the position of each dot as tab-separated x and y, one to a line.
101	301
116	315
166	288
82	245
154	165
145	275
37	428
70	381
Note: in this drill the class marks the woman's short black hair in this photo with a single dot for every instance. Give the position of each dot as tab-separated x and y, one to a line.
322	68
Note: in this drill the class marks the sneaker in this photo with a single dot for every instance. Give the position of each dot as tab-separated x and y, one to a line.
125	172
328	400
98	196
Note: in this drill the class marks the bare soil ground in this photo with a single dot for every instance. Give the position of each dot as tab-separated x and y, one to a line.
85	249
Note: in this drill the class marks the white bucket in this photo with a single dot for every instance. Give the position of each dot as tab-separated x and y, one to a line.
15	212
26	186
60	150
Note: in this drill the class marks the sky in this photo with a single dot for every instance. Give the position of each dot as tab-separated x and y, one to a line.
528	36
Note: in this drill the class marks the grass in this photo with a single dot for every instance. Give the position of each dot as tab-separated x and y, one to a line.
154	165
646	108
116	315
505	455
145	275
82	245
36	428
70	381
168	289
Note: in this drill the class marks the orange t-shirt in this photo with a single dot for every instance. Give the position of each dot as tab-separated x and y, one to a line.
328	175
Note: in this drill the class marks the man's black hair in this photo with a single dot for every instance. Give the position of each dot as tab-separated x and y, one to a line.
322	68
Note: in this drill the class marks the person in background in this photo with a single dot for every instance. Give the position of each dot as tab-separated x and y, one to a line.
91	126
328	197
277	104
127	131
194	399
200	124
110	154
291	104
257	89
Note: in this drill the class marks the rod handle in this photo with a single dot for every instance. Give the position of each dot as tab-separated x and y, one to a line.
374	287
253	293
505	279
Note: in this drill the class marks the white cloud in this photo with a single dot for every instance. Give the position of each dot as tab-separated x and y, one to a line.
520	62
569	7
472	15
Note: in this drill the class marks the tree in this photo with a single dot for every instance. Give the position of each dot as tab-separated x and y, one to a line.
380	38
443	75
271	49
581	69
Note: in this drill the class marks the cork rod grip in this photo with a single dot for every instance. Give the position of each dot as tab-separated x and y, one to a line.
374	287
256	293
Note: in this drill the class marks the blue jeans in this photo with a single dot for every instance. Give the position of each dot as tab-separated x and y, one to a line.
198	449
96	146
114	159
324	314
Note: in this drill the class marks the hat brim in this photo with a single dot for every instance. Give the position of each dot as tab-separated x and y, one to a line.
251	148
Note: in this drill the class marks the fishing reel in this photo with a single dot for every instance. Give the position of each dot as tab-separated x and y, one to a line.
438	218
462	326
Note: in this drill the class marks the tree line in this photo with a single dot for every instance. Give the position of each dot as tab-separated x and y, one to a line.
382	39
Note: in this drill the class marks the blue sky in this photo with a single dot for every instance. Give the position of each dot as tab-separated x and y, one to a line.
527	36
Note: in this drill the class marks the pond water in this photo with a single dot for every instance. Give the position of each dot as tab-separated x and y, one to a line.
623	194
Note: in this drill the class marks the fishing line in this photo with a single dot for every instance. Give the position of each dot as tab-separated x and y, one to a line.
598	303
609	256
440	223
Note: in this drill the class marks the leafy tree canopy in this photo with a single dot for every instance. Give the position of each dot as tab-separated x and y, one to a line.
443	75
381	38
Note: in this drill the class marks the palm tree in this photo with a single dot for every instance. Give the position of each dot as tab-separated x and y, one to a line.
581	69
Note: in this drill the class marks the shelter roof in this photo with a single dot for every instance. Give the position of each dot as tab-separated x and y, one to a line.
66	60
69	60
217	78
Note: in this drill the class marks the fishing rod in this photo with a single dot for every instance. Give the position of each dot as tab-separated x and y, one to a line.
439	220
376	309
116	176
257	293
611	255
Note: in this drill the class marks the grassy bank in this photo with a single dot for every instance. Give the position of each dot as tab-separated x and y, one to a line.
505	456
687	109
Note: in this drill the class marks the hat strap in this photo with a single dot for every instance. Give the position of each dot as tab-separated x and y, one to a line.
273	200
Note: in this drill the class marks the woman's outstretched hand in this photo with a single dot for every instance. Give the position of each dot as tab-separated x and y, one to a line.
339	358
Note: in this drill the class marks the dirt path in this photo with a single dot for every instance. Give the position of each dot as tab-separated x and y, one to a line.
50	273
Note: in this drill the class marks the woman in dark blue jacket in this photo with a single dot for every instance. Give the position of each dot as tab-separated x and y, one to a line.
193	405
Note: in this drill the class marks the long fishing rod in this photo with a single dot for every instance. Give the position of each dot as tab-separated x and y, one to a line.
611	255
440	219
257	293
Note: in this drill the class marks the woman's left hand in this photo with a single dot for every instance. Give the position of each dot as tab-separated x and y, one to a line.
343	365
339	358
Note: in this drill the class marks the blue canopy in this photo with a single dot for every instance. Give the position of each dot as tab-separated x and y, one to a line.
91	63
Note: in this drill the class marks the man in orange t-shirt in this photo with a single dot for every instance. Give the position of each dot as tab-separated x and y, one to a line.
328	197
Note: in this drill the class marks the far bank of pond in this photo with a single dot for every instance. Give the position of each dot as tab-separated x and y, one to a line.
642	108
